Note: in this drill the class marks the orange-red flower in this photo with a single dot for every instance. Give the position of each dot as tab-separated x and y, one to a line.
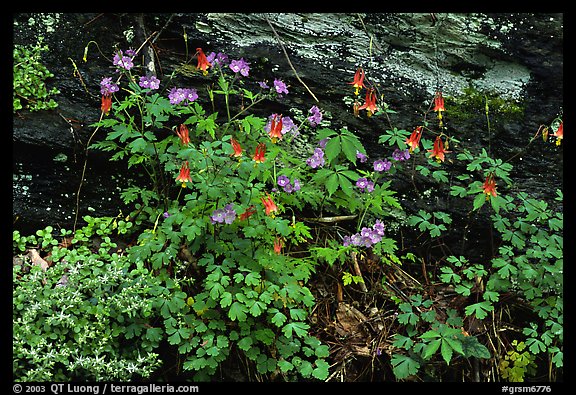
106	104
414	140
248	213
269	204
489	186
276	129
259	153
439	102
559	133
370	104
278	245
184	134
184	175
438	150
236	147
358	82
203	62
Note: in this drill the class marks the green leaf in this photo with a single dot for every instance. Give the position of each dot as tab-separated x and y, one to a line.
535	346
332	184
473	348
446	351
479	201
402	341
279	319
237	312
403	366
480	310
431	348
300	328
333	148
321	370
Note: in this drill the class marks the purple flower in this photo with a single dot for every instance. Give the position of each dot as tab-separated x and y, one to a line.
263	85
288	188
378	227
296	183
283	181
401	155
346	241
229	213
191	94
315	162
220	58
130	52
223	215
364	184
322	143
166	214
316	116
280	86
287	125
240	66
361	156
107	87
217	216
317	159
367	237
178	95
123	62
149	82
356	239
382	165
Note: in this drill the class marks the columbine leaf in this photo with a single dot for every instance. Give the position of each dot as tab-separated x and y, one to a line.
237	312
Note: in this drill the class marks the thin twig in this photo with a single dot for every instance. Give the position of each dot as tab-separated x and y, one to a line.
289	62
83	173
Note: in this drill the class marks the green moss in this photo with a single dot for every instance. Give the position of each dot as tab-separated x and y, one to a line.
473	103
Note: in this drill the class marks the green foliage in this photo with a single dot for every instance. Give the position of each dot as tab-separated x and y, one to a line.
223	251
517	363
88	316
29	79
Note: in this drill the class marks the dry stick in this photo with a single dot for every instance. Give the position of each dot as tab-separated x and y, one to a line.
359	273
84	172
289	62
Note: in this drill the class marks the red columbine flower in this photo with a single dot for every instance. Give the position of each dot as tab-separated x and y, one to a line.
414	139
183	133
269	204
278	245
559	133
439	105
358	82
438	150
489	186
276	129
236	147
184	175
203	62
370	104
248	213
259	153
106	104
439	102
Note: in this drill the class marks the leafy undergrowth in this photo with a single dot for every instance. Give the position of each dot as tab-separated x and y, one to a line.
275	249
